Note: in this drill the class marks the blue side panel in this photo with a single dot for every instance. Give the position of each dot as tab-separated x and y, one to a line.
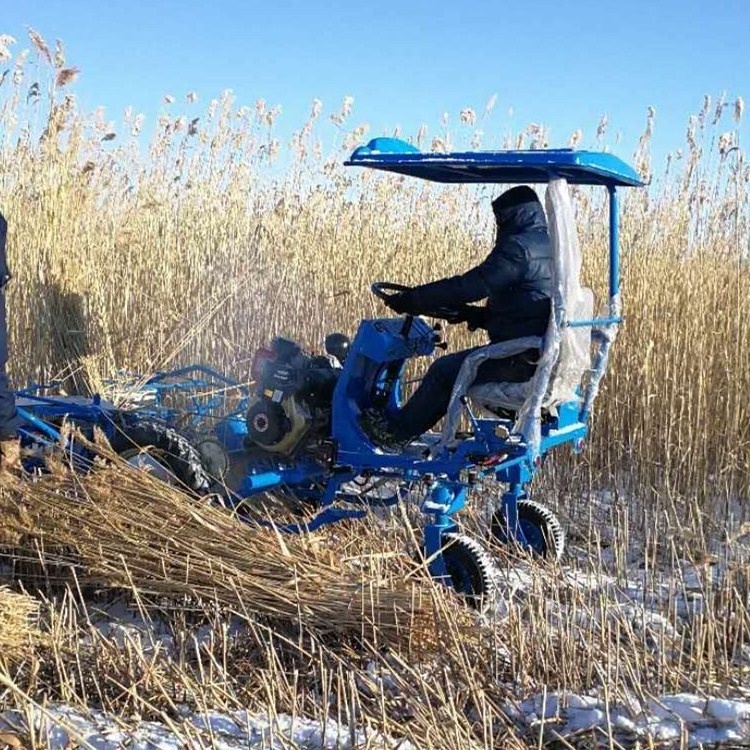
379	345
533	166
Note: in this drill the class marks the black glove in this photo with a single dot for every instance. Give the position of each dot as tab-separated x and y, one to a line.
474	317
403	303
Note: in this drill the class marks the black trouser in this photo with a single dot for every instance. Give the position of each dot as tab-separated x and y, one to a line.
430	401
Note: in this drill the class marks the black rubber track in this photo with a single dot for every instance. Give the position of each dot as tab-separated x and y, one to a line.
171	448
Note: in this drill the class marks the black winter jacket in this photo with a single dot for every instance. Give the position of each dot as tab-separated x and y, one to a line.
515	278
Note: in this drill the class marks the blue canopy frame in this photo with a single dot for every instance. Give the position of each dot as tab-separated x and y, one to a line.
510	167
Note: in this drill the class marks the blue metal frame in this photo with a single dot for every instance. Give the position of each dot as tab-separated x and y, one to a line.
39	416
205	391
378	345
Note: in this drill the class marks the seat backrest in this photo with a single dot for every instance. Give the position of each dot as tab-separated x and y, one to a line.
573	361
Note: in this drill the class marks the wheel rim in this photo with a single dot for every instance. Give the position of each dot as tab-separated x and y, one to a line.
466	581
463	576
535	536
470	570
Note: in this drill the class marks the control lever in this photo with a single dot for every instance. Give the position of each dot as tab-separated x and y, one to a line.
406	328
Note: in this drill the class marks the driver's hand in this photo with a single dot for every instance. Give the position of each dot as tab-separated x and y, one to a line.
454	317
474	317
403	303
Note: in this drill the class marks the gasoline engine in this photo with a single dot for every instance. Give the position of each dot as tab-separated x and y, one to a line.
291	406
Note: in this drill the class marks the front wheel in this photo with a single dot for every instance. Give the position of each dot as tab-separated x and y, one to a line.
470	570
165	453
540	526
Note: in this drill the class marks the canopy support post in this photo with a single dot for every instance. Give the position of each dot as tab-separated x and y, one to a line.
614	246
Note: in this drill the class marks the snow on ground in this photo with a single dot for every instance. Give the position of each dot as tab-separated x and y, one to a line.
696	720
64	727
670	719
658	605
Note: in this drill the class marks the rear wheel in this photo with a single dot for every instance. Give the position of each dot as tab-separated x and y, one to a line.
540	526
163	452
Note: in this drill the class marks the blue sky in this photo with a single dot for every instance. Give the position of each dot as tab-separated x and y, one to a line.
562	64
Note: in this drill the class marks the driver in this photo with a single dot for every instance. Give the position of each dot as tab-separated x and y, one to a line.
516	281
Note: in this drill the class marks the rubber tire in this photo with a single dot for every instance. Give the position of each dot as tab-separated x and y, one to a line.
176	452
545	532
470	568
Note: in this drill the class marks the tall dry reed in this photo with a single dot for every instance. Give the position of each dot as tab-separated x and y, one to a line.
216	234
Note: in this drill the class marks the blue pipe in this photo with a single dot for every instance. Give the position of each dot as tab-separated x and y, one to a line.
259	482
614	243
40	425
593	322
159	376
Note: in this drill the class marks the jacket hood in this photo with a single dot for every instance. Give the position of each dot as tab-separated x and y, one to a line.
521	217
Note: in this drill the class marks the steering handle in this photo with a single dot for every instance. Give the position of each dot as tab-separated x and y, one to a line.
458	313
384	290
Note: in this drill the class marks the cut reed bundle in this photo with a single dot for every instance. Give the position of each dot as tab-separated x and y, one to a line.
123	528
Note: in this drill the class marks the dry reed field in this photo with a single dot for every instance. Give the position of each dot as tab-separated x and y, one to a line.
204	240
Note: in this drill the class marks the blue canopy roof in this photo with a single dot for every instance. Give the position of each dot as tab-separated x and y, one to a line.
577	167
